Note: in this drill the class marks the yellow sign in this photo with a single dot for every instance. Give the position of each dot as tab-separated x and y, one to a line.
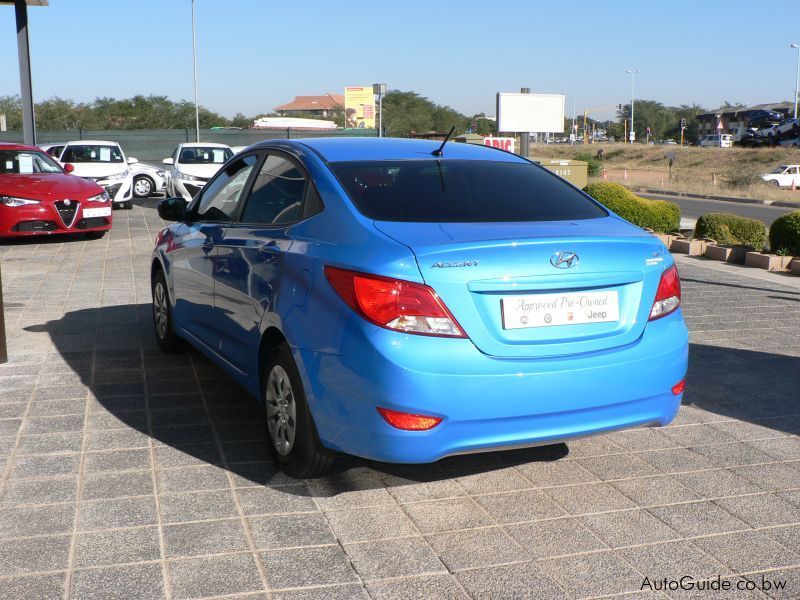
359	107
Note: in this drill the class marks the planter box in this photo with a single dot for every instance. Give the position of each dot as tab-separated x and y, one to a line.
796	266
738	254
666	238
770	262
690	247
718	252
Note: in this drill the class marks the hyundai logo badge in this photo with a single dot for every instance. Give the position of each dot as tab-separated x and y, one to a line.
564	260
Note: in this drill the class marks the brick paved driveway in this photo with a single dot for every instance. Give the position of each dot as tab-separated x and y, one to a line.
127	473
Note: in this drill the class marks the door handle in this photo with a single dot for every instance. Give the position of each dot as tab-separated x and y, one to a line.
270	248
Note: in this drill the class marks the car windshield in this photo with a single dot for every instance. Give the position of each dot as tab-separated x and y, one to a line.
204	156
92	154
461	191
24	162
778	170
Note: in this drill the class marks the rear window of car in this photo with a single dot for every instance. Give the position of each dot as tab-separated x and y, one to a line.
461	191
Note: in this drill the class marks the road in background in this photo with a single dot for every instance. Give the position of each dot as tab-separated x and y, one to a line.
692	208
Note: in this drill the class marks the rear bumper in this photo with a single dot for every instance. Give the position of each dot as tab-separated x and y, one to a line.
487	403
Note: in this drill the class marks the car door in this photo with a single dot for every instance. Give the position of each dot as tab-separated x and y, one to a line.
253	257
195	248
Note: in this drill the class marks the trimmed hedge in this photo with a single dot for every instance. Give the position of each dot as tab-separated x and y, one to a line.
732	230
659	215
785	233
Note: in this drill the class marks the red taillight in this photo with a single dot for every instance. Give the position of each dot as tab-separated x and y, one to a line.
677	389
408	421
394	303
668	296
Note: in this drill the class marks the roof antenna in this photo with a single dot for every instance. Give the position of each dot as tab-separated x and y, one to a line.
438	151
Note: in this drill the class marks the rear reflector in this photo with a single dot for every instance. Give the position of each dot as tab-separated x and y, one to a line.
668	296
393	303
408	421
677	389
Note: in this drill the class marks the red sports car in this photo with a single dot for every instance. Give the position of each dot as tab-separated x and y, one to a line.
39	197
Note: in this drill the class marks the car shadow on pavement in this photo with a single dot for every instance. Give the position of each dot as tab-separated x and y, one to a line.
186	403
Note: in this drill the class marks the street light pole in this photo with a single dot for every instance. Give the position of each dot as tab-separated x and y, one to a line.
194	61
574	136
632	73
379	89
796	78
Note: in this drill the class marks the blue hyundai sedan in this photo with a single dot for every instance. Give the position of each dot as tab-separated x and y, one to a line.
400	302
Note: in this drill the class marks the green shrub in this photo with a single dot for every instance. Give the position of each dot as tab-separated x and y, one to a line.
732	230
785	233
742	178
594	165
658	215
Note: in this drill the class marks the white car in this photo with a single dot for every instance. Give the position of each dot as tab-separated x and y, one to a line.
713	141
192	165
147	179
104	163
784	176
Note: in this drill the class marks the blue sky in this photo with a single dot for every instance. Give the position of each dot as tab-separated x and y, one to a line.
256	54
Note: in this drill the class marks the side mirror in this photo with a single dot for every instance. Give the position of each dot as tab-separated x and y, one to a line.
172	209
132	161
168	161
69	168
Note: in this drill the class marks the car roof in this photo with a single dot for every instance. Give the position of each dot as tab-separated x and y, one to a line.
91	142
16	146
362	149
203	145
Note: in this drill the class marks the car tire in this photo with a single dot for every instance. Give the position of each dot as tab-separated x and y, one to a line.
143	186
127	205
775	183
163	324
293	438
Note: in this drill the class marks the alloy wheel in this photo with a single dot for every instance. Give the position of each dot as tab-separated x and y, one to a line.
160	309
281	410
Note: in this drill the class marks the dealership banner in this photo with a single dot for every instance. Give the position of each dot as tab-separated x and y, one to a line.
359	107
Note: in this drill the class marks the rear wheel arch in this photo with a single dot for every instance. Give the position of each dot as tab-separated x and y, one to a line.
270	339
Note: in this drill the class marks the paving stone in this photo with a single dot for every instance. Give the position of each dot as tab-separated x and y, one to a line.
789	536
555	538
748	551
519	581
628	528
446	515
99	486
648	438
46	465
197	506
733	454
117	546
32	586
377	522
673	560
302	567
393	558
117	460
208	537
716	483
45	490
120	512
336	592
653	491
761	510
116	439
697	518
41	520
476	548
283	499
553	473
34	554
593	574
676	460
289	531
590	498
785	448
214	576
194	455
500	480
124	583
190	479
47	443
349	493
620	466
771	477
525	505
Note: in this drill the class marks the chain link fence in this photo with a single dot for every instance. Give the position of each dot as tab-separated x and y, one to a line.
153	145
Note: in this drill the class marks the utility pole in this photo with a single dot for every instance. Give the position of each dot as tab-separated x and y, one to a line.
632	73
194	60
524	137
796	78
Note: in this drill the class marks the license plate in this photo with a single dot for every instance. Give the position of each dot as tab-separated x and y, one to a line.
105	211
547	310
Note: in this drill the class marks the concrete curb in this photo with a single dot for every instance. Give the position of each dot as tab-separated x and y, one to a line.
779	203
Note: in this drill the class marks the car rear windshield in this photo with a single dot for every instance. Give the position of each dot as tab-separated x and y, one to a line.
91	154
461	191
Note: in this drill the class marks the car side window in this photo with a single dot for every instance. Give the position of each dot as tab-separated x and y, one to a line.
278	192
220	198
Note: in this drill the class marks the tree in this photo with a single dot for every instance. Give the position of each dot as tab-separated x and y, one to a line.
408	112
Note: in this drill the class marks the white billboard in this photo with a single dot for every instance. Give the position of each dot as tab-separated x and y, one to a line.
533	113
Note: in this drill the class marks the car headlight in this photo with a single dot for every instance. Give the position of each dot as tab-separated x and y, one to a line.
104	197
160	173
187	177
118	176
14	202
